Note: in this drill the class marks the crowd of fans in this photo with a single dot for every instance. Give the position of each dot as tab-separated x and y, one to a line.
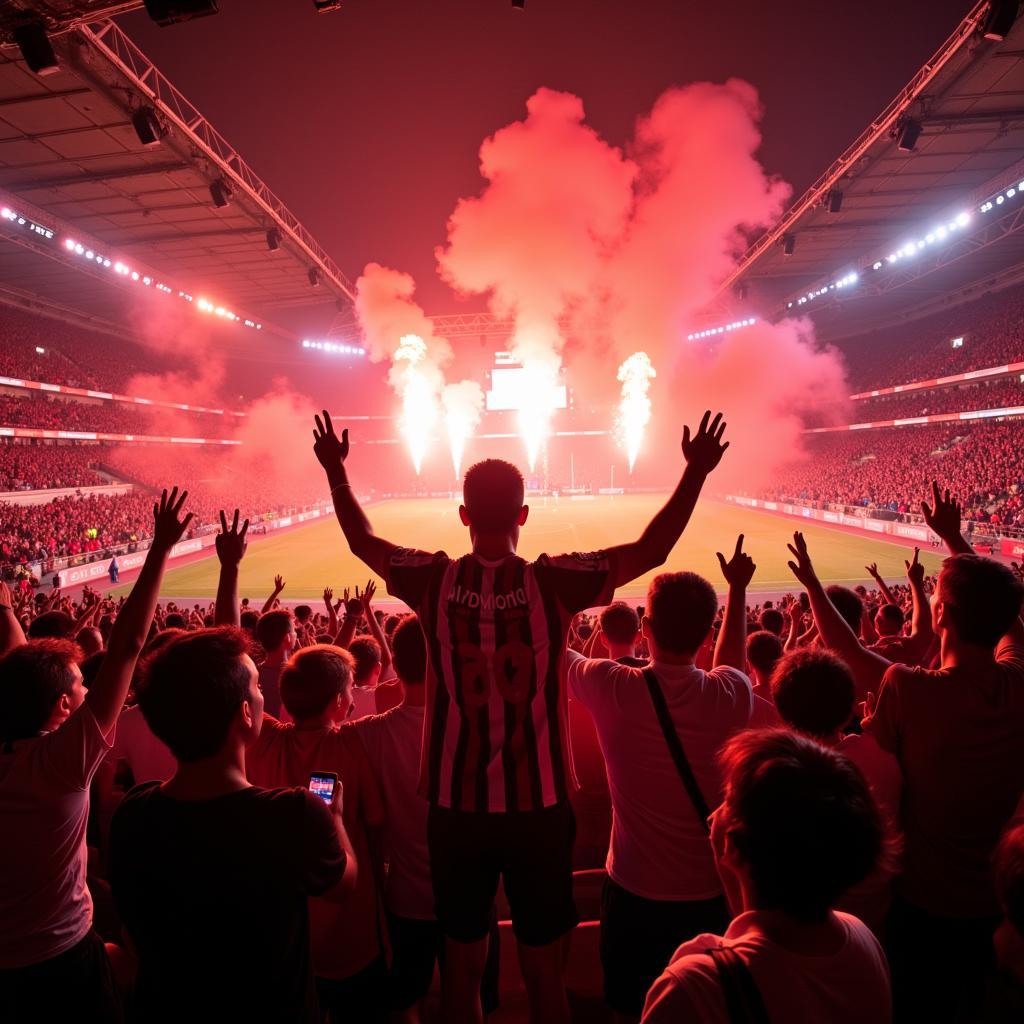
1004	394
30	410
887	469
805	810
32	467
70	354
990	328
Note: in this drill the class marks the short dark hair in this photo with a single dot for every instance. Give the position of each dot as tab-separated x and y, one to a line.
620	623
192	689
813	691
175	621
248	621
772	621
33	677
272	628
802	818
409	651
366	652
303	612
681	608
1008	869
90	667
763	650
848	604
892	615
313	677
391	624
52	625
493	493
982	597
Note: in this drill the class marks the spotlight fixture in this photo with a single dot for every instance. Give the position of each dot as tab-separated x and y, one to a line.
834	200
519	5
314	277
220	193
999	20
326	6
35	48
149	128
907	132
788	244
273	239
172	12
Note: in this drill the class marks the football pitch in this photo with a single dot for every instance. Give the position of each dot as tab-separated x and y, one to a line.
312	557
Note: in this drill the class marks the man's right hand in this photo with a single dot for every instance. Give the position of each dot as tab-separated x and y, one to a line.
943	517
704	451
329	451
231	543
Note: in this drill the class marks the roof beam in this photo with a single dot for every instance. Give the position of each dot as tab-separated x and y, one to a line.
142	171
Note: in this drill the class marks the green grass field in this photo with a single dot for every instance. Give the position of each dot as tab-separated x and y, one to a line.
313	557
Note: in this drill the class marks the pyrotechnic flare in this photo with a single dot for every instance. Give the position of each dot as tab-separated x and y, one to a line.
635	374
463	403
419	398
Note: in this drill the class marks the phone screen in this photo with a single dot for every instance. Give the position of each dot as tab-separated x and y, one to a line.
322	784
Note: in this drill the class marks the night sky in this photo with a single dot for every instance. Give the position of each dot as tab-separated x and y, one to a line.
367	121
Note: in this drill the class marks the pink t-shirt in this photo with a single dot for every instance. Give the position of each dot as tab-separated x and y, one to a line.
850	986
659	849
45	906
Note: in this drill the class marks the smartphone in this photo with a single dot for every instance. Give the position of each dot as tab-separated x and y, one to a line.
322	784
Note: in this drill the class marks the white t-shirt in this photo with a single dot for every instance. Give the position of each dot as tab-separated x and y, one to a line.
850	986
364	702
147	757
392	743
659	849
45	906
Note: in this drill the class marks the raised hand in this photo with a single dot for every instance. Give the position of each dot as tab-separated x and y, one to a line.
872	570
739	570
915	570
326	446
801	568
231	543
944	514
328	597
371	589
705	451
167	527
279	585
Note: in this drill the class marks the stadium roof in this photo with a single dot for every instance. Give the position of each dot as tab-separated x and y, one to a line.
71	157
969	103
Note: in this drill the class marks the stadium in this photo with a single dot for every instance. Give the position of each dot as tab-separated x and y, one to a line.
536	268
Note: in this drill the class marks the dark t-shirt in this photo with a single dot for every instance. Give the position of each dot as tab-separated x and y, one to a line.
213	894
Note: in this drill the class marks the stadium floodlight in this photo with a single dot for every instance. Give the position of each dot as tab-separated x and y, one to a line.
999	19
313	276
788	244
519	5
273	239
908	131
173	12
834	200
220	193
32	41
326	6
148	127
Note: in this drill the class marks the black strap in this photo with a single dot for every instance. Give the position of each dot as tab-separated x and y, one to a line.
743	1002
675	748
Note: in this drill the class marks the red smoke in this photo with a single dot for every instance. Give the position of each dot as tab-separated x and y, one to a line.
634	249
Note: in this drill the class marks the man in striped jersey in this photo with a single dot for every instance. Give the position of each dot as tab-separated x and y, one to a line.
495	761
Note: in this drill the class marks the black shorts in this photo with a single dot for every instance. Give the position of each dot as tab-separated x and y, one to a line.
78	984
530	850
639	936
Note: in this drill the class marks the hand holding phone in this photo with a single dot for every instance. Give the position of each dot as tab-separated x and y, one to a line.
326	786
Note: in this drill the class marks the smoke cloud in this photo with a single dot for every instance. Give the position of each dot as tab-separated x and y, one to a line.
629	247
